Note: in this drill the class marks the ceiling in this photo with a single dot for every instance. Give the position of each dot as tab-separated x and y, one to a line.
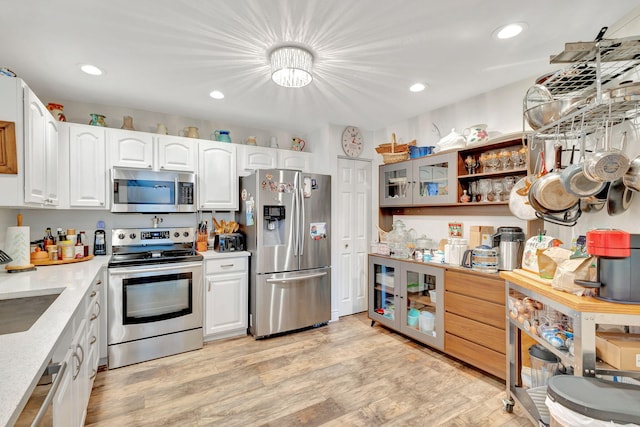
167	55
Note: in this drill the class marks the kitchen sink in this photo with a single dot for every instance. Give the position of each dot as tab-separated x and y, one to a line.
20	313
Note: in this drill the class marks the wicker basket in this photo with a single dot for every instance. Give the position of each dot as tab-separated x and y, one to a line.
389	148
395	157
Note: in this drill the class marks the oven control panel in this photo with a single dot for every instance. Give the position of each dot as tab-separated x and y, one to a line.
151	236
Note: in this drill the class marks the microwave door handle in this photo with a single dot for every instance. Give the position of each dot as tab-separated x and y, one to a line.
176	196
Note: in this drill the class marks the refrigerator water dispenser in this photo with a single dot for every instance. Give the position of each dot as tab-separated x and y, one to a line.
274	217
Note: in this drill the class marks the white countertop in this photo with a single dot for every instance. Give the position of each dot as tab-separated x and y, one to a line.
24	355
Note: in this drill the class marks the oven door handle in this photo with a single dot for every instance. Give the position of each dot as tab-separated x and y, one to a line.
296	278
120	271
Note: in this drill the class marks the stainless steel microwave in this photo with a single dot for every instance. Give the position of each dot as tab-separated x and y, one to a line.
144	191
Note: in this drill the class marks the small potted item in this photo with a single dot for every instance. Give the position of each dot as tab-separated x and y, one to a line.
57	110
97	120
127	123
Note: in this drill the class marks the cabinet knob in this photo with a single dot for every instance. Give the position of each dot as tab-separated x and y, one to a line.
149	166
346	245
161	167
101	203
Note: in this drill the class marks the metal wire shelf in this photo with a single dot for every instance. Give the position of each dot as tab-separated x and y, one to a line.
594	66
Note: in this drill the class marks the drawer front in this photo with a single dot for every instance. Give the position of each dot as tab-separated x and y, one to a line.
225	265
477	286
481	357
479	333
475	309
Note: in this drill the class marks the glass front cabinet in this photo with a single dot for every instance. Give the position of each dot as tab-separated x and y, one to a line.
408	297
423	181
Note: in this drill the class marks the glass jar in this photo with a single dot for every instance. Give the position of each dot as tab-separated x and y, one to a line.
397	239
68	251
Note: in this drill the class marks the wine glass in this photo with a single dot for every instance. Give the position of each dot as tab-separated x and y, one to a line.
498	189
471	164
515	158
509	182
473	190
484	161
505	158
494	161
484	188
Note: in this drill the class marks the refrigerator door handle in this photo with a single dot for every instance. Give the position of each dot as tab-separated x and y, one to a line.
301	232
296	278
296	223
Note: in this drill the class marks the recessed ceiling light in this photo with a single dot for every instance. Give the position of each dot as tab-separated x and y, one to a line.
418	87
509	31
91	69
216	94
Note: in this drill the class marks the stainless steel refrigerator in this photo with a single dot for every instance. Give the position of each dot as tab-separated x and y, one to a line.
286	218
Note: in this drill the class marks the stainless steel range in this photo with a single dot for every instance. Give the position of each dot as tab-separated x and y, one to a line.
155	294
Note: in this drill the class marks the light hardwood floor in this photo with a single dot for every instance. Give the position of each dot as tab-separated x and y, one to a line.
344	374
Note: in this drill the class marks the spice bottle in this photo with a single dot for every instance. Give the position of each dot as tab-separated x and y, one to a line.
79	248
48	238
85	243
67	249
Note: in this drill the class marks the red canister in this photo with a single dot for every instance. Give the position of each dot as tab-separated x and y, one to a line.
609	243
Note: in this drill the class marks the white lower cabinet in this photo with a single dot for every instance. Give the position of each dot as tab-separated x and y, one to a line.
77	356
69	408
226	297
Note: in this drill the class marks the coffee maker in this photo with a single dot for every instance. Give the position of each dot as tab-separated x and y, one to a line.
509	241
618	255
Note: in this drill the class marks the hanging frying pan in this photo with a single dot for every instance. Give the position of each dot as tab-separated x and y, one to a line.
619	198
575	181
596	202
547	194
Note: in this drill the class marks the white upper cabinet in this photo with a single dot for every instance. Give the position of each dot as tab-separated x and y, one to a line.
217	177
289	159
176	153
251	157
41	152
131	149
142	150
88	179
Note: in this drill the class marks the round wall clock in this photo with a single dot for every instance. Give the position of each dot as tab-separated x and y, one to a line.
352	141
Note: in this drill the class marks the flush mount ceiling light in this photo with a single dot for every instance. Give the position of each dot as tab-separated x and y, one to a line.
509	31
291	66
91	69
216	94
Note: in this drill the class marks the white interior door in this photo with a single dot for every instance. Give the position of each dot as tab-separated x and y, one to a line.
354	223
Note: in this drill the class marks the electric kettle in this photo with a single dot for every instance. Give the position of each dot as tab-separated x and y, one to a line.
509	242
